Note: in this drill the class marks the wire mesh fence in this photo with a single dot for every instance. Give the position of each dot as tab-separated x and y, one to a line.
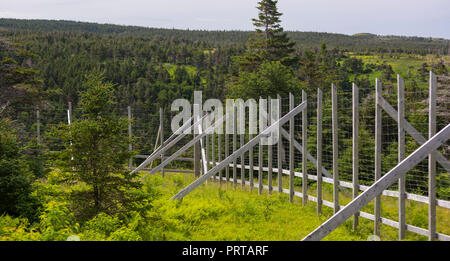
416	114
37	123
145	125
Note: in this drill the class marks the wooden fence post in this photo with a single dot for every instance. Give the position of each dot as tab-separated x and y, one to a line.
319	152
291	150
197	164
197	152
269	147
355	149
432	160
161	124
130	146
251	163
234	146
69	121
70	113
207	154
219	152
202	139
334	124
304	151
279	144
241	143
227	153
213	152
378	129
401	156
260	148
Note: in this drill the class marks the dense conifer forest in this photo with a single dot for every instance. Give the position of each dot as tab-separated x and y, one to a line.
103	68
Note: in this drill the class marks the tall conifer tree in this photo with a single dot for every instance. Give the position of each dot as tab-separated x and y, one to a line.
269	42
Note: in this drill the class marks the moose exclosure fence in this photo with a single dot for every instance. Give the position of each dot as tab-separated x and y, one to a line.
345	139
339	142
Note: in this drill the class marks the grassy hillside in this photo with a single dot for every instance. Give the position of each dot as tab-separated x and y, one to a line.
249	216
405	65
208	213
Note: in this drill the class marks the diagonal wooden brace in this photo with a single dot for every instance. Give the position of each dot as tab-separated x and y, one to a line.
412	131
380	185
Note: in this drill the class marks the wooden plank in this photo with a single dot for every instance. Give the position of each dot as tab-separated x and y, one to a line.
260	163
184	159
197	157
234	145
207	150
227	153
334	123
202	147
291	150
378	129
401	156
410	196
69	113
319	152
250	159
432	160
241	150
415	134
213	151
269	148
242	142
69	121
166	157
355	148
381	184
260	148
304	152
279	144
172	170
219	156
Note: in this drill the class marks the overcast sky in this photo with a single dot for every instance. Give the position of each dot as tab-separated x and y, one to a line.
398	17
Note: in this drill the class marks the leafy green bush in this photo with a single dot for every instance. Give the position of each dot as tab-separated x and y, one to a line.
16	229
57	222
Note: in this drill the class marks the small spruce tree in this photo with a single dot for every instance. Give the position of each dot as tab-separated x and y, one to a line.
96	152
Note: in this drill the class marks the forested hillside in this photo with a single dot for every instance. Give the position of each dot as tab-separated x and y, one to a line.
160	64
357	42
100	69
